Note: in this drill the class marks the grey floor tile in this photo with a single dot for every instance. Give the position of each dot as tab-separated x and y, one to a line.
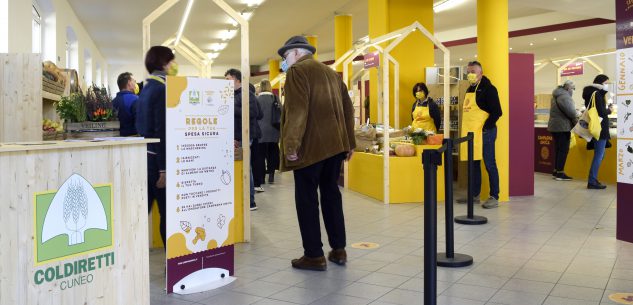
446	300
553	300
538	275
404	297
324	284
339	299
384	279
299	295
518	297
470	292
230	298
582	280
529	286
490	281
367	291
620	285
273	302
576	292
260	288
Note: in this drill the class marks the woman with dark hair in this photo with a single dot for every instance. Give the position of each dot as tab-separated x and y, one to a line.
150	123
597	92
425	113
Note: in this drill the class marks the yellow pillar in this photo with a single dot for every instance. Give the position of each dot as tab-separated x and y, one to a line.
492	50
273	71
342	37
313	40
414	53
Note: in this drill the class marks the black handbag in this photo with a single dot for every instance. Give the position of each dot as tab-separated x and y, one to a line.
275	117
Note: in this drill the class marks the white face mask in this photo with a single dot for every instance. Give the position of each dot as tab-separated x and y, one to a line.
605	87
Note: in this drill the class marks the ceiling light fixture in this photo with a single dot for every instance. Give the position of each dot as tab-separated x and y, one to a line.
213	55
228	34
254	3
247	15
555	39
531	43
216	47
446	5
233	22
183	22
510	48
599	54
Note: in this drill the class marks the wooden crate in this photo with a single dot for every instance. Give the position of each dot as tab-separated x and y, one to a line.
52	86
91	130
20	97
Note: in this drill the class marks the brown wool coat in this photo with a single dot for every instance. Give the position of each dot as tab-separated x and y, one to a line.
318	115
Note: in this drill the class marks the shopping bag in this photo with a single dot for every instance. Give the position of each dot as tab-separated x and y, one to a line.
582	127
572	141
594	118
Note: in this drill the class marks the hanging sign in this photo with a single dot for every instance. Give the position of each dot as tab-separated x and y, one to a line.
200	190
372	60
573	69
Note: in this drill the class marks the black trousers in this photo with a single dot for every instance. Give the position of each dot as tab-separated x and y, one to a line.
155	193
561	148
265	161
323	176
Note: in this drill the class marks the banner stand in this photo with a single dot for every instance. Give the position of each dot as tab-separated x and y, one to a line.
203	280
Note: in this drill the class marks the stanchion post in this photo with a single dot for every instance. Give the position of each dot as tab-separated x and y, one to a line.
430	159
450	258
471	218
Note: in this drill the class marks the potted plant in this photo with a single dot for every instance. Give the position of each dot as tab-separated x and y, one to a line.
72	108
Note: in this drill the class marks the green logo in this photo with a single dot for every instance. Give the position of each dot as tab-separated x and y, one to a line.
194	97
74	220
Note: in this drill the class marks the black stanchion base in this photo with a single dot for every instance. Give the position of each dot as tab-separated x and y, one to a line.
476	220
458	260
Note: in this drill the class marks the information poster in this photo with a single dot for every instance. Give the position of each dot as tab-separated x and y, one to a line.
624	84
200	190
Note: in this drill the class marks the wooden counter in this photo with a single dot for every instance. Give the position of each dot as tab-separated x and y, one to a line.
73	227
406	176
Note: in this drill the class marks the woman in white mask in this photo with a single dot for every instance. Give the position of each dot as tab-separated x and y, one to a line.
595	96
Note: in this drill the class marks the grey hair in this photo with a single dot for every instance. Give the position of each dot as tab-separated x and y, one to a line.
304	52
568	84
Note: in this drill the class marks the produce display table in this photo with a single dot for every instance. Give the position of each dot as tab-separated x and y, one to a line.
365	176
73	227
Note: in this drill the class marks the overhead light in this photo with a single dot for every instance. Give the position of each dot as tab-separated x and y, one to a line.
475	55
227	34
218	46
461	59
247	15
213	55
531	43
254	3
183	22
555	39
446	5
233	22
599	54
510	48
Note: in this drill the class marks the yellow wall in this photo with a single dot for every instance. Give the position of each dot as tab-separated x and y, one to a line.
314	41
414	53
579	161
343	36
492	50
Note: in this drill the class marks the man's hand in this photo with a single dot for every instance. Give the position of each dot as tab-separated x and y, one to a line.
349	155
161	183
292	156
236	144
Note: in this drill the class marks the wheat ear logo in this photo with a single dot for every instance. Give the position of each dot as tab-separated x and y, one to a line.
75	208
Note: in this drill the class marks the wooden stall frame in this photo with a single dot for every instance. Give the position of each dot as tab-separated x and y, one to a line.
246	72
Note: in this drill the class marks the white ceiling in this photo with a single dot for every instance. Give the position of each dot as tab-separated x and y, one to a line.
116	25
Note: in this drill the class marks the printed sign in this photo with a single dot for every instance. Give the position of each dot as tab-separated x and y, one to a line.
576	68
372	60
544	154
624	23
74	220
200	176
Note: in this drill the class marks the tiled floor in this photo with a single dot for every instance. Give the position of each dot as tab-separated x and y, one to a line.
555	248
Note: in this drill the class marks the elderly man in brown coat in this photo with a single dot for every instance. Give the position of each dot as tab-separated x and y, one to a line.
317	135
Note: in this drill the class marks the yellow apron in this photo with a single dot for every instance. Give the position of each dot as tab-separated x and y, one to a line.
473	119
422	119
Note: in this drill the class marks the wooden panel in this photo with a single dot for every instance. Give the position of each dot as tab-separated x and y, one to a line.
20	97
29	172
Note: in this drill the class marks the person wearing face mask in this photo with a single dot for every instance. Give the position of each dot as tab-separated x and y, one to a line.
125	104
425	113
481	110
317	134
598	91
150	123
562	118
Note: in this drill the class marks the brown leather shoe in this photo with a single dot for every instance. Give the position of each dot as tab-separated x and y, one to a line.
338	256
310	263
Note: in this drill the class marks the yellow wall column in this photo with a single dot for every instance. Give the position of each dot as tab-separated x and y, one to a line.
378	25
492	50
343	37
414	53
313	40
273	71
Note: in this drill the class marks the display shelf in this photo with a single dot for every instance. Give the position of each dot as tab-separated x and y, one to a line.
50	97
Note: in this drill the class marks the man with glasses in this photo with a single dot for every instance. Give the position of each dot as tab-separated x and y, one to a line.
317	134
480	111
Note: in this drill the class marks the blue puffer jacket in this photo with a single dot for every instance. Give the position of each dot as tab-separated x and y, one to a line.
125	105
150	116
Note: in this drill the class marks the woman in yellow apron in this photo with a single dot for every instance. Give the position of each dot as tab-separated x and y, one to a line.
425	113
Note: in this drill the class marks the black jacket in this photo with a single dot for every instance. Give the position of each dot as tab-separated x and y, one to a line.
254	114
601	106
150	117
487	99
434	111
